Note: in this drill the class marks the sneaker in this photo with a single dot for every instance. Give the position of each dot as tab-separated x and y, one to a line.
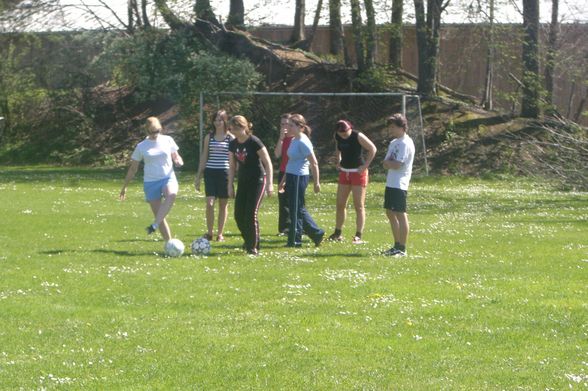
335	238
253	251
150	229
207	237
318	239
220	238
391	251
357	240
284	232
295	245
394	252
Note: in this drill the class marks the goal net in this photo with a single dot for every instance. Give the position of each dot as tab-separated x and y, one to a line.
366	111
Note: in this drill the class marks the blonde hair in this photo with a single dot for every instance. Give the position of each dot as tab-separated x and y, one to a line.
299	120
153	125
241	122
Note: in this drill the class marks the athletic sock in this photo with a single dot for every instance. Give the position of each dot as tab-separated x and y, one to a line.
358	235
396	245
337	232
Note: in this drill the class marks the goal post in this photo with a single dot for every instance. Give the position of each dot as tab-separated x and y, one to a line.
366	111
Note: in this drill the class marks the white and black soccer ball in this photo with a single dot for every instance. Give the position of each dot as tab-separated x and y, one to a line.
201	246
174	248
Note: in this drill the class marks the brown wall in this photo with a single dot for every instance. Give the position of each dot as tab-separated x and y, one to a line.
462	62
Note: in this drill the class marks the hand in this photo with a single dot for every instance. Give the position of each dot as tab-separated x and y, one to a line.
269	190
123	194
338	167
361	168
317	187
197	185
282	187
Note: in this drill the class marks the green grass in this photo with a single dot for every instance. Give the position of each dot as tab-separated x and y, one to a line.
492	296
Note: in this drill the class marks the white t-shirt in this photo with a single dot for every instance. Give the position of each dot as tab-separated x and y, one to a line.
402	150
156	154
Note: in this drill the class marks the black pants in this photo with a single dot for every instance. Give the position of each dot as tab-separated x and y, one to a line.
283	210
247	202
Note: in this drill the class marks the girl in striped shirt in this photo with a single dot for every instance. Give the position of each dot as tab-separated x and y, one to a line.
214	164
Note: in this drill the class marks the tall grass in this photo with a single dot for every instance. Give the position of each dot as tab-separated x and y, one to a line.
493	294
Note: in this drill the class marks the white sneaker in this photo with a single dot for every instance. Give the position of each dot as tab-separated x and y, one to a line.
394	252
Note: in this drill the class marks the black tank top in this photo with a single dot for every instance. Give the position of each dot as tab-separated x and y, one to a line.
350	149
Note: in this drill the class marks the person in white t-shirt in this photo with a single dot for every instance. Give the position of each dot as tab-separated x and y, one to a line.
159	153
398	162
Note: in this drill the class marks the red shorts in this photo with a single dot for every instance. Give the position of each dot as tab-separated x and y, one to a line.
353	178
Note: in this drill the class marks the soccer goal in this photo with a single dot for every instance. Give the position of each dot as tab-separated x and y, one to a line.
366	111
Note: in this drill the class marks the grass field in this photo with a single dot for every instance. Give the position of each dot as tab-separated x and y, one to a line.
492	296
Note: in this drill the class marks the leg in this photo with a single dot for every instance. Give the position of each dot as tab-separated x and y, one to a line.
170	192
342	197
403	228
210	215
222	215
283	211
295	233
394	224
163	226
359	204
251	223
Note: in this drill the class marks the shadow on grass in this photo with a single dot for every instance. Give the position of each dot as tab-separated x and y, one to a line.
120	253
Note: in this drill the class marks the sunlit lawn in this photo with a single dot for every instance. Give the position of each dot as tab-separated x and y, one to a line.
492	296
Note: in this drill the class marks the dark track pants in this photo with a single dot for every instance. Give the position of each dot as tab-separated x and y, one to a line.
247	202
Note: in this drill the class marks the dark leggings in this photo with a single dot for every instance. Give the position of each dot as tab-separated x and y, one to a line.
247	202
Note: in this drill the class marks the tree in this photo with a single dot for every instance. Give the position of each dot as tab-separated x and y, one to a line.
336	28
487	99
203	10
298	31
372	34
395	54
531	83
551	50
356	26
237	14
427	33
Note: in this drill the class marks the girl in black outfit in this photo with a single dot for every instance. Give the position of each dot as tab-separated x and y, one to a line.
255	178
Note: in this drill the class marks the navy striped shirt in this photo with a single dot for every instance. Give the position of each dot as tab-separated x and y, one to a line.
218	153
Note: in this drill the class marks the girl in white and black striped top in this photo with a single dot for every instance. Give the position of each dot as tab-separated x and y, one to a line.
214	164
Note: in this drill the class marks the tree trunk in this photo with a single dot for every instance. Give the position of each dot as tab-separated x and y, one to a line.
487	100
130	17
298	32
306	44
146	23
356	26
427	35
551	50
531	83
203	10
395	55
237	15
372	34
335	27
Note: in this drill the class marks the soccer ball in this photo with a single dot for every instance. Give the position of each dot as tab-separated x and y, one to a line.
200	246
174	248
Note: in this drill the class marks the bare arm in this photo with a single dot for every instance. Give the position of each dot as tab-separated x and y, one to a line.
371	149
278	147
202	163
314	168
269	169
129	177
231	176
177	159
392	164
